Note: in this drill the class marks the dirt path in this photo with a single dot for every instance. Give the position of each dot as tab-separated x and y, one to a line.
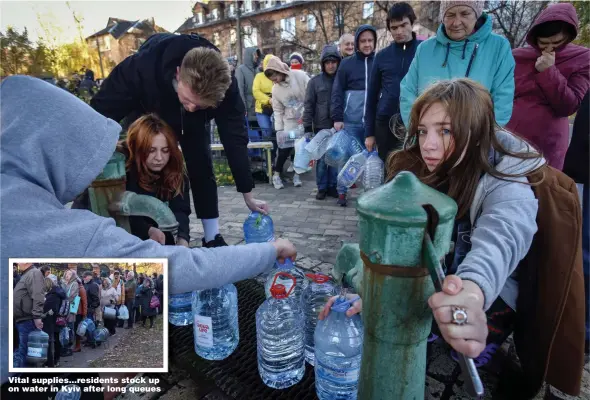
139	348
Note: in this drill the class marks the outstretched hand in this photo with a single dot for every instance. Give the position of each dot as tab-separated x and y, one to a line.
356	307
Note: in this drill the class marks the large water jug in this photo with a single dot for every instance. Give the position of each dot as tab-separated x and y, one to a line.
82	328
90	327
180	309
69	392
374	172
338	350
258	228
286	139
352	170
356	146
302	156
313	299
278	270
339	149
65	336
319	144
294	109
37	347
101	335
279	336
215	327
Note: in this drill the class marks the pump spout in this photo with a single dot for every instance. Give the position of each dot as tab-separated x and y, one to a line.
133	204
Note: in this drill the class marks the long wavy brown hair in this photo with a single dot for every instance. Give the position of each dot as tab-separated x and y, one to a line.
473	128
169	182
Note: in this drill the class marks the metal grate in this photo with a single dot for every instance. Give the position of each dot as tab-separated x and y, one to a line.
237	376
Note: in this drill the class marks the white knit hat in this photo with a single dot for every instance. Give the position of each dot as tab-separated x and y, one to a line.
477	6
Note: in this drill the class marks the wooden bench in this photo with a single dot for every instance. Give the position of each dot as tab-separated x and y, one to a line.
266	146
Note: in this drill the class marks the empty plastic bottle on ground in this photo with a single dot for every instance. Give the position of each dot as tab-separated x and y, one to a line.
286	139
180	309
69	392
352	170
319	144
313	299
302	156
373	173
258	228
215	327
338	350
279	335
338	149
37	347
293	271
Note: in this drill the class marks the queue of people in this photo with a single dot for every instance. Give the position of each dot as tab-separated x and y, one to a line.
42	300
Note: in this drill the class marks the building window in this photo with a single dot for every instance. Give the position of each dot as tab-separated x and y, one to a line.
368	10
198	18
215	15
311	22
216	38
248	6
250	36
232	10
268	3
233	36
107	43
288	28
338	19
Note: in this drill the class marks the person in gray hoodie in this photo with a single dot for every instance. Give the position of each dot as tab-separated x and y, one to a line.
53	147
245	74
456	146
316	116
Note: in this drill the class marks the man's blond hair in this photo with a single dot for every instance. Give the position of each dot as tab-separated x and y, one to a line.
207	73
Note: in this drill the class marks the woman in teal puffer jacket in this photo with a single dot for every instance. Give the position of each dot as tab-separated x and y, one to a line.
464	46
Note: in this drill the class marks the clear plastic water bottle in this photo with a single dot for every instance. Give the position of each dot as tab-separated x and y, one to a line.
180	309
302	156
313	299
37	347
356	146
278	273
279	336
286	139
338	149
258	228
338	351
215	327
373	174
69	392
353	168
319	144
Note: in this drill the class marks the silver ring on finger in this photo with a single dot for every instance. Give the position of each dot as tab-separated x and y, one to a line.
459	316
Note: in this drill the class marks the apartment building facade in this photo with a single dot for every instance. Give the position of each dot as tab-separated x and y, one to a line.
282	27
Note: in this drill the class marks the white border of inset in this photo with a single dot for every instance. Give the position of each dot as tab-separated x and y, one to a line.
164	262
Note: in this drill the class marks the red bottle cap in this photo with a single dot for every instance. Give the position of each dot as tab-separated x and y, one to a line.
318	278
278	291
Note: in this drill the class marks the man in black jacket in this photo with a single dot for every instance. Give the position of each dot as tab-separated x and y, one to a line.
92	294
185	80
316	116
389	68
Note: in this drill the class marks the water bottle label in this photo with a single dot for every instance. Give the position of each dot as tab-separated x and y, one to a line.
337	375
204	331
351	173
34	352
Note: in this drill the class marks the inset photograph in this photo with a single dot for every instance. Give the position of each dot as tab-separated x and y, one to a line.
98	314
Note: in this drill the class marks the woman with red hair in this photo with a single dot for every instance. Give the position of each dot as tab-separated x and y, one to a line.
155	167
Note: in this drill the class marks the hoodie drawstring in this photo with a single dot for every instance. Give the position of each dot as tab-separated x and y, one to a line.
471	60
447	55
464	47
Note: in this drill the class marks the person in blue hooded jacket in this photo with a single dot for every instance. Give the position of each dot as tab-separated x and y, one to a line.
389	68
464	46
349	92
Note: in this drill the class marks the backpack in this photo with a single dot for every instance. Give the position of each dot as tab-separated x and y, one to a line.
549	332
